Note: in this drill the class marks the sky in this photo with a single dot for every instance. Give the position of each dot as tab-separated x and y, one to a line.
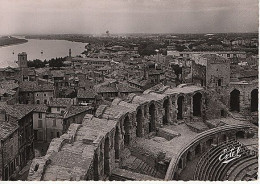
127	16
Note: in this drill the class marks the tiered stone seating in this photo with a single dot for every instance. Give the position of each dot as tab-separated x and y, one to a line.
206	160
213	160
126	175
211	168
243	169
136	165
224	170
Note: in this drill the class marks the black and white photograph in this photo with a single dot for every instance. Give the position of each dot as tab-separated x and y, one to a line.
129	90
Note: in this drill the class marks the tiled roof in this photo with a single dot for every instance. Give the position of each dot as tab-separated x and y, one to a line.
104	68
17	111
122	87
88	93
9	84
139	82
73	110
61	102
58	73
7	128
33	86
38	107
106	89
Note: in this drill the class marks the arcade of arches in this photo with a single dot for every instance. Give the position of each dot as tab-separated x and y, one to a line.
103	141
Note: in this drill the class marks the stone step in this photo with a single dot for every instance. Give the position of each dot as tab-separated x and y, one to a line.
125	154
136	164
124	175
197	127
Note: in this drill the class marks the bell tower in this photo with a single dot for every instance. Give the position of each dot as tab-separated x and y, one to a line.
22	60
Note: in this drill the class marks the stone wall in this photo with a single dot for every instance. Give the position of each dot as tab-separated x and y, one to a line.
10	154
115	127
200	144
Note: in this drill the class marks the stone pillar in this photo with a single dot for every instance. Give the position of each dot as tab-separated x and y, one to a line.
203	147
170	115
187	108
203	108
158	115
174	110
143	124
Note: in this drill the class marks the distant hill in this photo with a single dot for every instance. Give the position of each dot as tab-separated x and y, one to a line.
9	40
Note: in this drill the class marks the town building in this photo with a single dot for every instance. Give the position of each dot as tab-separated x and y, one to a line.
31	92
211	70
225	54
23	116
9	148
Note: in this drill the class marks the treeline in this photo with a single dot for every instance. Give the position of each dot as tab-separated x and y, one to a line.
54	62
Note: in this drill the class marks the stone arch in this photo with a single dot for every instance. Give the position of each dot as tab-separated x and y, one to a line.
152	117
180	102
189	156
139	122
209	142
127	131
240	134
96	174
234	100
116	143
180	164
224	138
254	100
219	82
166	107
106	157
198	149
197	98
175	176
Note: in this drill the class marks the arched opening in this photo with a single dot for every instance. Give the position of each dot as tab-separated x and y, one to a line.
166	108
175	176
197	104
188	158
224	138
127	131
96	175
234	100
219	82
201	82
116	145
180	107
106	155
209	142
240	134
180	164
197	149
254	100
152	118
139	123
222	113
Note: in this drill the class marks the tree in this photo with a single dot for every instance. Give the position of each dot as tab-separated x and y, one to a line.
36	63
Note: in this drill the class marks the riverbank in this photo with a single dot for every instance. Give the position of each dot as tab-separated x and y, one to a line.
9	40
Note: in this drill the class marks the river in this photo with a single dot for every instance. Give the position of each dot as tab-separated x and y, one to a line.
39	49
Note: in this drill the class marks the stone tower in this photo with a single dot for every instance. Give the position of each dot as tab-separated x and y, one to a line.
69	53
22	60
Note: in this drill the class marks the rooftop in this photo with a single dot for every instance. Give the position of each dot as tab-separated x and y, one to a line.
7	128
88	93
33	86
17	111
61	102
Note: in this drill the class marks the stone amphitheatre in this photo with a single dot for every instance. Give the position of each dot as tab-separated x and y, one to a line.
164	134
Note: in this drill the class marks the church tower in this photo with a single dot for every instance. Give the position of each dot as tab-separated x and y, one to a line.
22	60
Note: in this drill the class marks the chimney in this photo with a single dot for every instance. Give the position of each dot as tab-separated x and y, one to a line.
2	115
